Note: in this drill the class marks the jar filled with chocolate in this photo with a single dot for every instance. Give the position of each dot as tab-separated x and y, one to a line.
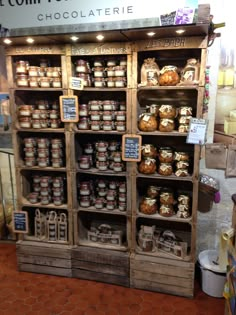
83	110
165	169
153	191
147	166
84	162
169	76
167	111
166	155
166	125
181	156
149	150
148	205
166	210
85	201
167	197
83	123
153	109
147	122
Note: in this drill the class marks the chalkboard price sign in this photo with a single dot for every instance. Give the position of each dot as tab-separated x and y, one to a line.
131	148
20	221
69	108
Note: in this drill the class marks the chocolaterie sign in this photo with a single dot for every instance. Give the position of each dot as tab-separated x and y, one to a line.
116	14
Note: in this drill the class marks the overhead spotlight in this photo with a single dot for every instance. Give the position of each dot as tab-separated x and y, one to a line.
100	37
30	40
151	34
7	41
180	31
74	38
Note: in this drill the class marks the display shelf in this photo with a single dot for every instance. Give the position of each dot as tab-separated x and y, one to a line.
95	171
103	210
157	216
170	177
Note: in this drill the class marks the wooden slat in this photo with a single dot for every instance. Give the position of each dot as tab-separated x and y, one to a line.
45	270
95	276
44	261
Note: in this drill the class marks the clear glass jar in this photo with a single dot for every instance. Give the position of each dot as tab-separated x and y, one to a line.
120	126
148	206
84	162
147	122
25	122
166	210
165	169
22	67
25	110
22	80
167	111
33	197
95	115
95	125
85	201
167	197
166	125
45	82
153	191
147	166
33	71
149	150
56	83
33	82
166	155
83	110
83	123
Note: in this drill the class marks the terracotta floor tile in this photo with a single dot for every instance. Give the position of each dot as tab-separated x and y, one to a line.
24	293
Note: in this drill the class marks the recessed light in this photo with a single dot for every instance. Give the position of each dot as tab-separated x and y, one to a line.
30	40
100	37
7	41
151	34
180	31
74	38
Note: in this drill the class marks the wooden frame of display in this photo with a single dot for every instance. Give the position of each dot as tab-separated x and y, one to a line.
72	113
131	151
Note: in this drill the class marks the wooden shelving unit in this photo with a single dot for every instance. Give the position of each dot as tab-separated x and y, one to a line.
88	252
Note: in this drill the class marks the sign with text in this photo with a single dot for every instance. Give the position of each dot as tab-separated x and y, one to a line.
197	131
76	83
131	148
20	221
69	108
46	13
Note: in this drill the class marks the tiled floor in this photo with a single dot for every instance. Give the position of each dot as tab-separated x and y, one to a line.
33	294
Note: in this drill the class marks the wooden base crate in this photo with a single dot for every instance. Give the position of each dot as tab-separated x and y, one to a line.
51	259
101	265
162	275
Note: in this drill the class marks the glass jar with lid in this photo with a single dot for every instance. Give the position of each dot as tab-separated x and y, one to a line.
148	205
166	155
149	150
147	122
167	111
147	166
165	169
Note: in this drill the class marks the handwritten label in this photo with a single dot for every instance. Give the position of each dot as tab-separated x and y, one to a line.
88	50
20	221
76	83
69	108
131	148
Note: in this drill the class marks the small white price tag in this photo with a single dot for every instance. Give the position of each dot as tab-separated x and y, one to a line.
76	83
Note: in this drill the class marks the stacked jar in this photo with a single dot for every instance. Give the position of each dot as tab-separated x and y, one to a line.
106	115
116	72
103	155
103	194
83	71
22	79
183	205
167	202
182	163
39	116
148	159
166	159
43	152
99	74
47	189
184	116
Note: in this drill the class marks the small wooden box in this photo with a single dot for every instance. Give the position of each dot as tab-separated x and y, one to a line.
51	259
162	275
100	265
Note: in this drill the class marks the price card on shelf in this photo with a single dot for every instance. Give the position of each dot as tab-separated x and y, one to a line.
69	108
20	221
76	83
197	131
131	147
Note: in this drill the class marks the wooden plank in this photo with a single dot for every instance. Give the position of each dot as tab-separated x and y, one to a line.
158	287
100	256
44	261
172	43
91	49
45	270
202	71
162	279
95	276
118	270
35	50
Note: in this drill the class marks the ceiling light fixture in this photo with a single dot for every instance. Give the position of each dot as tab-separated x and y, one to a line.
180	31
100	37
74	38
7	41
151	34
30	40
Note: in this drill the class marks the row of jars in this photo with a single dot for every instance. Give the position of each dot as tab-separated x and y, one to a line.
165	202
23	80
103	194
101	105
110	82
102	155
169	161
47	189
165	118
84	66
107	125
43	152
